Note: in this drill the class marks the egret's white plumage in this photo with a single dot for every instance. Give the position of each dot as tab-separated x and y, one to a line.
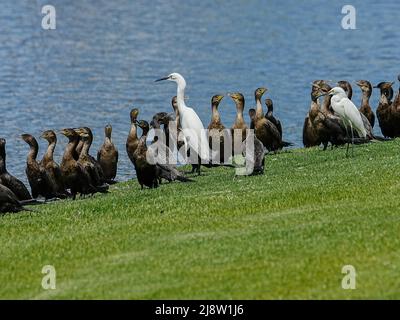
192	127
347	111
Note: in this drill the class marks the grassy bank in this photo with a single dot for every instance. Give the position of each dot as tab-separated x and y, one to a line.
286	234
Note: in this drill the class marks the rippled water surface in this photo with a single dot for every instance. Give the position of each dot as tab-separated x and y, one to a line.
104	56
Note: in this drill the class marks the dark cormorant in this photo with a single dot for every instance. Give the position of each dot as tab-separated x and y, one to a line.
365	108
132	141
386	113
51	167
107	156
73	176
239	128
265	130
11	182
36	173
216	131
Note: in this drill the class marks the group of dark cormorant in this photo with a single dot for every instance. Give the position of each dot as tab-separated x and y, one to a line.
322	126
80	173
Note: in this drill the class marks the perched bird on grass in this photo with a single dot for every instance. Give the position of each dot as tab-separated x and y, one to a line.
107	156
192	127
348	113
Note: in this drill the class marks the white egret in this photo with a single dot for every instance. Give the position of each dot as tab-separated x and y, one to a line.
348	113
192	127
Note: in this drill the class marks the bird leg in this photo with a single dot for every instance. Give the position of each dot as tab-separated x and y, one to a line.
352	140
347	137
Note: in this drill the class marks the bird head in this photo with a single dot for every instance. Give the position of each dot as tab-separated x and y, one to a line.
29	139
134	114
252	113
386	89
364	85
259	92
49	135
237	97
215	100
69	133
82	133
108	130
144	125
337	91
319	88
269	104
175	77
86	130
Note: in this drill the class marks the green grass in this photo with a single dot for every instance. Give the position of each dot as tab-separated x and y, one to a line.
286	234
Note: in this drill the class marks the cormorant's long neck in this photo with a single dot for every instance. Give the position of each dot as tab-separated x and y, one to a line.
142	140
69	149
259	109
133	131
108	137
85	149
50	151
270	110
365	98
349	91
215	114
33	151
239	112
326	104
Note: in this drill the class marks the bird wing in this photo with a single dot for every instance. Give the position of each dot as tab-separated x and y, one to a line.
351	113
194	132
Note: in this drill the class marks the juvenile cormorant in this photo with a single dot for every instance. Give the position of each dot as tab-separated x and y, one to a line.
9	201
51	167
255	157
239	128
270	115
147	174
321	126
252	116
107	156
97	167
166	169
11	182
132	141
386	113
365	108
265	130
36	173
73	176
87	166
216	130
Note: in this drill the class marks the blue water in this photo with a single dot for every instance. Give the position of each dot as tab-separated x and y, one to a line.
104	56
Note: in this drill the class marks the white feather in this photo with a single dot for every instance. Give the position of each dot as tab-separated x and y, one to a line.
347	111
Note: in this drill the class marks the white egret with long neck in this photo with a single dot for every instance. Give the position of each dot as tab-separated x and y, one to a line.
192	127
348	113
